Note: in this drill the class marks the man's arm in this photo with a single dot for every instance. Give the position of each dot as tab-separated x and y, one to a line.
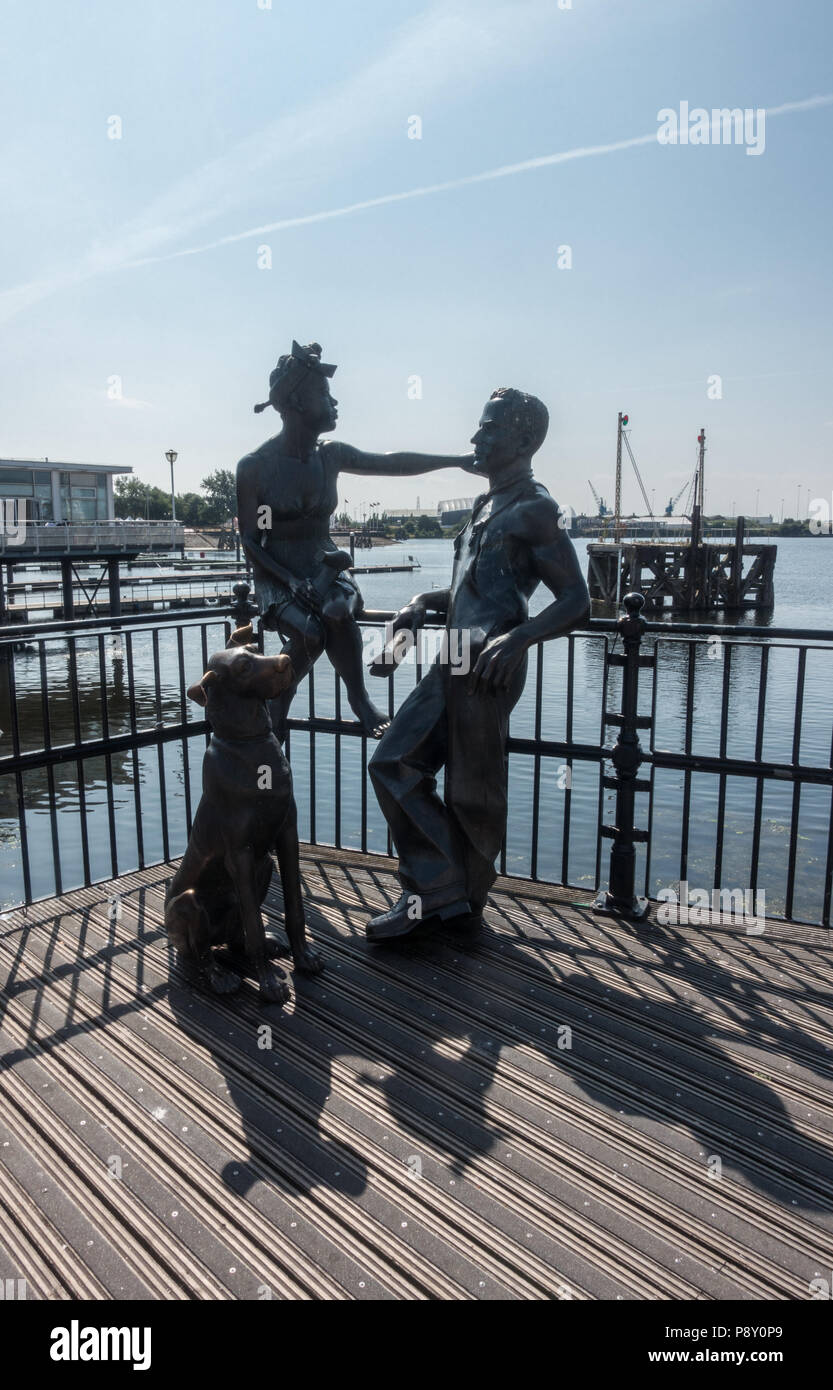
555	562
413	614
396	465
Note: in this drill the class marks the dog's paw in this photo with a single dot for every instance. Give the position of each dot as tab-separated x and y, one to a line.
273	987
309	962
274	947
220	980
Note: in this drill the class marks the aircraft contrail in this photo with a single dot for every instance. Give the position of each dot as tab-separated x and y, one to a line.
22	296
426	190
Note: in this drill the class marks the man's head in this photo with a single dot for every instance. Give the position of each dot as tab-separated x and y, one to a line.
513	426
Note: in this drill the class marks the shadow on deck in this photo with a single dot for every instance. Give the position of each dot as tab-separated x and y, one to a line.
567	1107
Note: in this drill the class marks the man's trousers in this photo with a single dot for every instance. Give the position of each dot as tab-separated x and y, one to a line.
447	848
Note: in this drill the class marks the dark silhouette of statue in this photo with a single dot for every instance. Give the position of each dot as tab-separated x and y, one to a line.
514	540
287	490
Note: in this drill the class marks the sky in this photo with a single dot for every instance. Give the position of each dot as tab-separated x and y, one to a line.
264	184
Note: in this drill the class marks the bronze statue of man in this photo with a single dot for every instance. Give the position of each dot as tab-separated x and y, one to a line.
286	493
514	539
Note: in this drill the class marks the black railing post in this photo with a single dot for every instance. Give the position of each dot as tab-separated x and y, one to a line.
242	610
620	897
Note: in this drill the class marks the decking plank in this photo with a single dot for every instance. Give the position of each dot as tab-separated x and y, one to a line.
418	1129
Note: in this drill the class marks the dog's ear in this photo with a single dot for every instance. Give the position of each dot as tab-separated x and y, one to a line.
241	637
287	669
198	692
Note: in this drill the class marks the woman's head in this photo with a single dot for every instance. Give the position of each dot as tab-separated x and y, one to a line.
300	383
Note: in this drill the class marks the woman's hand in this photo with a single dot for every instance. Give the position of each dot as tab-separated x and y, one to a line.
306	596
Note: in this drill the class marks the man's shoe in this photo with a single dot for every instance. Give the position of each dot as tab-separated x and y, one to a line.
401	920
468	923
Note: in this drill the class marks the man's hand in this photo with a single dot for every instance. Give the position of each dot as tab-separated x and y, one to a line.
411	617
497	663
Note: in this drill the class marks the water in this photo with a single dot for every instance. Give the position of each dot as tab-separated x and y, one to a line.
803	579
804	584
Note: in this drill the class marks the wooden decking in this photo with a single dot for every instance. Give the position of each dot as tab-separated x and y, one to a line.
568	1107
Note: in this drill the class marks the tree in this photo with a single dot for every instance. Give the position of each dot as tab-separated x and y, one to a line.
220	490
192	510
130	496
135	498
427	526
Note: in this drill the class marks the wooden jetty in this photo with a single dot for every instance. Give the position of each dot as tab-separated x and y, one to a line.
681	574
68	545
386	569
189	586
684	574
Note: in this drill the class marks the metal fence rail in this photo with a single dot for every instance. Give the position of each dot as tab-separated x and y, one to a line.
100	758
43	596
53	538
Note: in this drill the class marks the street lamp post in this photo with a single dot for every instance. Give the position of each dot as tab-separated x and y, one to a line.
172	456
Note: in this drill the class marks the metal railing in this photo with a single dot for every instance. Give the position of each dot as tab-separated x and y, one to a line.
53	538
165	590
100	762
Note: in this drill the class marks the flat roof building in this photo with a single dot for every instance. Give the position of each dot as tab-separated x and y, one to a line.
60	491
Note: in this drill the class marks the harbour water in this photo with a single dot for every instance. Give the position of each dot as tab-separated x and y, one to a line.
804	577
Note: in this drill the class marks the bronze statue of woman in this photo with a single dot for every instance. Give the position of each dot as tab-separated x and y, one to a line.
287	490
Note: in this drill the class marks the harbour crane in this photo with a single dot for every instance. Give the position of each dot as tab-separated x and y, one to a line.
600	502
672	502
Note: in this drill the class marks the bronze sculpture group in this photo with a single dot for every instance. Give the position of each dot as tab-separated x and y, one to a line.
514	540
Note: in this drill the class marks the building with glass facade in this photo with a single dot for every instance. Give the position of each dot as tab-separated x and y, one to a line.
59	491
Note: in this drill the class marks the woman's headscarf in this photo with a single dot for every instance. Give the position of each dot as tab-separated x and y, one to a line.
291	370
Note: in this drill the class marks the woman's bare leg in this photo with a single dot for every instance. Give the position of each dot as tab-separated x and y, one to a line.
344	648
303	635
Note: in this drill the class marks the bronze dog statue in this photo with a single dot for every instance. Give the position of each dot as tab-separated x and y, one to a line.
246	812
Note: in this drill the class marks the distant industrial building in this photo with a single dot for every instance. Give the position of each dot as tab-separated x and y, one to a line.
452	513
410	513
456	512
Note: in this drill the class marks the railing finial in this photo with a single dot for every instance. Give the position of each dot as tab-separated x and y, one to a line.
242	609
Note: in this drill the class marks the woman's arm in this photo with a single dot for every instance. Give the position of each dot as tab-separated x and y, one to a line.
396	465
